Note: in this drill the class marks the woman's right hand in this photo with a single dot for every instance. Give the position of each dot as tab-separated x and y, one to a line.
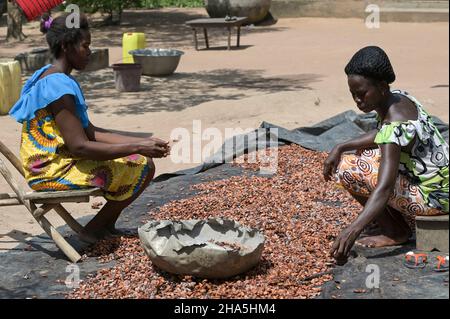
331	163
154	148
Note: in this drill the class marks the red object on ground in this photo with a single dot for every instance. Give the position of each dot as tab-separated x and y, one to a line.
35	8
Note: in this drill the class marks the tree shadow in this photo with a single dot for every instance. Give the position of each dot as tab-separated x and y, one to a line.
392	251
37	243
225	48
183	90
166	28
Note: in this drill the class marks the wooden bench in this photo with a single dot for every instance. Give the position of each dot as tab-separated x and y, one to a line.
40	203
208	23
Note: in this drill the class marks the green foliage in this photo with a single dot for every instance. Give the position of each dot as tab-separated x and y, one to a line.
172	3
114	8
108	6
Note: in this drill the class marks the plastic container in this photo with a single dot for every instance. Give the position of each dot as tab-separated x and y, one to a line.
16	77
33	9
127	76
10	85
3	97
132	41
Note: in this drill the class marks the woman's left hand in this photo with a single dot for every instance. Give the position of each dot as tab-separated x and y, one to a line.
344	242
167	144
331	163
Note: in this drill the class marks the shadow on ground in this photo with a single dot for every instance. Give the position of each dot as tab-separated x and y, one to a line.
184	90
163	28
379	273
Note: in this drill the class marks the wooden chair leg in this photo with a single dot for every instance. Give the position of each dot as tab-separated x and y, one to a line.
205	33
12	158
41	211
59	240
61	211
238	44
51	231
195	39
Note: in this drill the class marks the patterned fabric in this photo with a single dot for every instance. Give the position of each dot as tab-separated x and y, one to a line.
427	164
50	167
358	173
47	162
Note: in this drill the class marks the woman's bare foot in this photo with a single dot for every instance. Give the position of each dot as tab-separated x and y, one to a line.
87	238
116	232
382	241
371	230
92	236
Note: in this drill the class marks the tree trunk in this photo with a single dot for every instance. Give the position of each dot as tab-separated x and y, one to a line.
14	22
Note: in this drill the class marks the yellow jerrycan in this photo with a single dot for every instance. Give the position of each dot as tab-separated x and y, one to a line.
132	41
3	97
16	77
6	88
10	85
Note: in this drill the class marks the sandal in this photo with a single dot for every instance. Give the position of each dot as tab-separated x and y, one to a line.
415	261
442	265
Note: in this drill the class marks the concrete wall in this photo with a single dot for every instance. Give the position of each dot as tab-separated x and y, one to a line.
391	10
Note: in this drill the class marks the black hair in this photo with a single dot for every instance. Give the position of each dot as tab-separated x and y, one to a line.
371	62
59	34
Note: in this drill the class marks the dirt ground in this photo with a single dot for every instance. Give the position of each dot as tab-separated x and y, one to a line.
289	74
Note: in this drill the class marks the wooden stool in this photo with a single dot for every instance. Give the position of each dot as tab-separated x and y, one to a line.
205	24
40	203
432	233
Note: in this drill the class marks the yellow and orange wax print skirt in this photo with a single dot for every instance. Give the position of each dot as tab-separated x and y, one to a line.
49	166
358	174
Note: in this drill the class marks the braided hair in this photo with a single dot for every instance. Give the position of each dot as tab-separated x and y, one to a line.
59	35
371	62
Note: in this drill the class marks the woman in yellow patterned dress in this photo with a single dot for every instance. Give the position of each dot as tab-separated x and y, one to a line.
62	150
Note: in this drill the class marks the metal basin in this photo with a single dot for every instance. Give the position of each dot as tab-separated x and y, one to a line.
213	248
157	62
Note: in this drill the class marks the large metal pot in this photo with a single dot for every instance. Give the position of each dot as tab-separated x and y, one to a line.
255	10
157	62
215	248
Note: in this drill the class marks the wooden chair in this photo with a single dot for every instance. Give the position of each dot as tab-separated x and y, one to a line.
40	203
